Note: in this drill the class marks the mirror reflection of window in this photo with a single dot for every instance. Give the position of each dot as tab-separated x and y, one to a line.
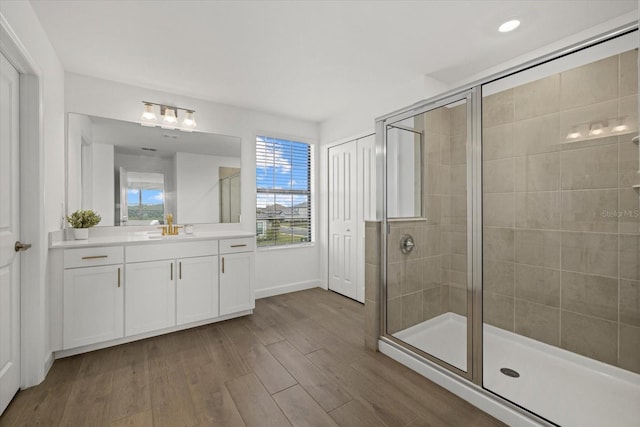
145	198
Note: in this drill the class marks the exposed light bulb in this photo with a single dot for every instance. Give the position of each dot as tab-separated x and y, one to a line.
189	122
148	116
509	26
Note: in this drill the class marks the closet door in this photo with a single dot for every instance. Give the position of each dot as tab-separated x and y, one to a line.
343	219
366	193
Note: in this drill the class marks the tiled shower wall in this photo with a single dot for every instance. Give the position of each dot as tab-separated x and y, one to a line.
561	219
431	280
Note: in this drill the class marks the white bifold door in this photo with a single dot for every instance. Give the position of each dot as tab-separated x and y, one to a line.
351	202
9	235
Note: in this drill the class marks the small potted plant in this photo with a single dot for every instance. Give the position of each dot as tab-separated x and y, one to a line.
81	221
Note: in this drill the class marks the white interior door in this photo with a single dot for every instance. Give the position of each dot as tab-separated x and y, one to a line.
9	235
366	191
342	219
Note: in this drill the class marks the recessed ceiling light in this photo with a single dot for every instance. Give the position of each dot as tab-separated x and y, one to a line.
509	26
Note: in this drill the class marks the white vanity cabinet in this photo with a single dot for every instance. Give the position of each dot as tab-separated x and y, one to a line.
126	289
237	275
152	274
197	289
93	296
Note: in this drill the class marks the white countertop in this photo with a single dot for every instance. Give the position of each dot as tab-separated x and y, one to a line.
142	238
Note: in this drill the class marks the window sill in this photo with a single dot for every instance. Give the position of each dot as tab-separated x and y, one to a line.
283	247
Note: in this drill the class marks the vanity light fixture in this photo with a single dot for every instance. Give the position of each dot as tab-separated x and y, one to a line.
169	116
574	134
509	26
620	127
596	129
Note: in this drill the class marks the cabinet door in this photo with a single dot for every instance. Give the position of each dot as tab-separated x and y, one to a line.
197	289
150	296
93	305
236	282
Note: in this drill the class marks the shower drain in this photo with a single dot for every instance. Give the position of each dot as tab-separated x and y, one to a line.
510	372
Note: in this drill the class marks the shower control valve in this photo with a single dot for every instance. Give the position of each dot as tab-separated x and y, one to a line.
407	244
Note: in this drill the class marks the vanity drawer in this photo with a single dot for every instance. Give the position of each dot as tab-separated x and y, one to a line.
171	250
230	246
90	257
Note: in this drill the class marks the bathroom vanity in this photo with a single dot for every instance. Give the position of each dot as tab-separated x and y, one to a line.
113	289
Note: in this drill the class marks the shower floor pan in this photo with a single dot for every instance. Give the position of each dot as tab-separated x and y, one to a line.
561	386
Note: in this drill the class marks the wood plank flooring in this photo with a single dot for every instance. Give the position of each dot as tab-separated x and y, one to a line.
297	361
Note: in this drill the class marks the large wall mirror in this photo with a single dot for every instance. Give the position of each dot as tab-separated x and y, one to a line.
135	175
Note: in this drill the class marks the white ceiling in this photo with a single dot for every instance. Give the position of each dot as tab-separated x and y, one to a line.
303	59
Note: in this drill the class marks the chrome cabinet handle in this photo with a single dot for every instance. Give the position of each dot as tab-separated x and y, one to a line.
21	247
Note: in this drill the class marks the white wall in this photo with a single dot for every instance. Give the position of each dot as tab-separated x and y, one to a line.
102	182
103	98
81	126
198	186
22	21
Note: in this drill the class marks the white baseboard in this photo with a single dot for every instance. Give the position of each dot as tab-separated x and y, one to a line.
289	287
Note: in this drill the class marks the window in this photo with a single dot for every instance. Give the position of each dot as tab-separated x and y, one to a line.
283	199
145	198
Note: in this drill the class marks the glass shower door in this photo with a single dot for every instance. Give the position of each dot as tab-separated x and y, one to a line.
428	288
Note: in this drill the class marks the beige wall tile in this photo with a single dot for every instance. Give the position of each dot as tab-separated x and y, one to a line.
630	257
497	109
630	347
630	302
591	337
434	209
628	67
538	284
499	176
586	210
537	98
497	310
458	242
499	209
432	178
371	282
628	162
629	110
458	180
629	211
592	167
459	149
372	328
411	310
498	277
498	244
540	210
394	315
497	142
458	116
458	300
590	253
372	242
395	272
591	295
435	301
432	272
589	84
411	278
538	247
538	135
538	172
540	322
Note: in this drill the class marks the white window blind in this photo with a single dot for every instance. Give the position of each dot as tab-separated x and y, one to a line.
283	199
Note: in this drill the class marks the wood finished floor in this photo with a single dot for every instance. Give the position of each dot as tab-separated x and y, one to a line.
298	360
